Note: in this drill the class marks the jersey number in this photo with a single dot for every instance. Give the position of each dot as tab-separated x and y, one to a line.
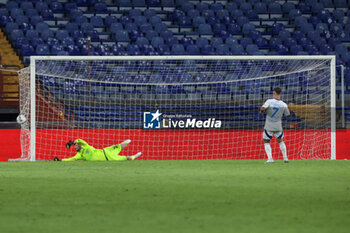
276	110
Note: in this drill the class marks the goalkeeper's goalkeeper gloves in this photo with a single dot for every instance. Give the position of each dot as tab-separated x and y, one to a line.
57	159
69	144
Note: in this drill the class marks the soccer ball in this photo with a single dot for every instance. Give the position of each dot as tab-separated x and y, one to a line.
21	119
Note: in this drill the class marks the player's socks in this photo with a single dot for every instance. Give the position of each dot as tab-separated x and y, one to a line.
136	156
268	151
126	141
283	149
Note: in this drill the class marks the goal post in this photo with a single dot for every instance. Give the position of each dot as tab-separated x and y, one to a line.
176	107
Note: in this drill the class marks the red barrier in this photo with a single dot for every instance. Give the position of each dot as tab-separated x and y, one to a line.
175	144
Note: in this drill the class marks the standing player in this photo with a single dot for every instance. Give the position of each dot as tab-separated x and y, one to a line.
275	109
89	153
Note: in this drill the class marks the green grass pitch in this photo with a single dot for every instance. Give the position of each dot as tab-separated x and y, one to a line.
175	196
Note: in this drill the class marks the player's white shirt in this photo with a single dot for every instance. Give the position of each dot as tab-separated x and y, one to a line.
275	110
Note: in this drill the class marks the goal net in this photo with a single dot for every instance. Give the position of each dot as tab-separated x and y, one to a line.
177	107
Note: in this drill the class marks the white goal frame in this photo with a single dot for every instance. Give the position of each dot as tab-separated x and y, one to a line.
33	60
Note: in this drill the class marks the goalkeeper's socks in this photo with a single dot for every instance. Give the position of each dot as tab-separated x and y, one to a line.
268	151
126	141
136	156
284	151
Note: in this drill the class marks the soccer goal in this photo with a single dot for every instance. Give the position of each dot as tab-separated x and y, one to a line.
176	107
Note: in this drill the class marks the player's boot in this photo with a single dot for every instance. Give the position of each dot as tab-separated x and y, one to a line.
286	160
269	161
136	156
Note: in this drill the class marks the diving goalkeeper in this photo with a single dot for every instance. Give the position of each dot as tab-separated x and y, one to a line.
89	153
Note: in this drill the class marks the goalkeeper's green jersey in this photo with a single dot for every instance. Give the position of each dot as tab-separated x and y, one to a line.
89	153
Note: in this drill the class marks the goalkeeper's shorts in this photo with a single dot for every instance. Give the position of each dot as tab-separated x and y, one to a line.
112	153
267	134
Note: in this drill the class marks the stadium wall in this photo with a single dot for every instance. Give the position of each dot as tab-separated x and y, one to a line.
10	144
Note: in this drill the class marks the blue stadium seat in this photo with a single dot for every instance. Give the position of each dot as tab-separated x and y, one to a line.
40	27
76	34
74	13
231	41
192	13
130	27
160	27
221	14
201	41
216	6
212	20
260	7
315	8
150	34
274	8
30	34
93	34
320	42
47	14
21	19
25	27
16	12
295	49
11	26
16	34
198	20
156	41
31	12
340	4
208	13
11	4
56	49
294	13
116	27
247	28
85	27
132	50
154	20
305	42
97	21
145	27
154	3
163	49
287	7
299	20
68	41
27	50
117	49
218	28
166	34
56	7
177	49
338	15
313	35
306	27
284	35
100	7
245	41
262	43
222	49
70	5
216	41
34	20
4	12
234	29
242	20
297	35
192	50
109	20
148	13
275	42
81	20
207	50
42	49
142	41
36	41
61	34
289	42
237	49
167	3
20	41
73	50
122	36
205	29
71	27
52	41
201	6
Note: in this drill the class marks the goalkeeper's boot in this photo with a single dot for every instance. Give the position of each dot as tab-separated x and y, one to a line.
269	161
286	160
136	156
